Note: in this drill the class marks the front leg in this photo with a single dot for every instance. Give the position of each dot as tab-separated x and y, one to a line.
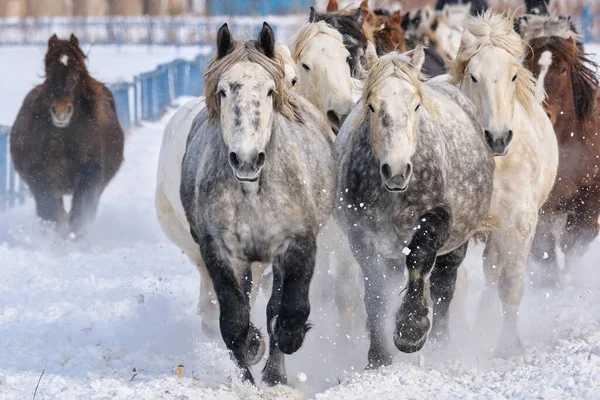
443	283
292	272
88	187
376	302
240	336
412	322
543	252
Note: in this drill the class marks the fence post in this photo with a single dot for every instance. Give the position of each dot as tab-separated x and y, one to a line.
3	167
587	21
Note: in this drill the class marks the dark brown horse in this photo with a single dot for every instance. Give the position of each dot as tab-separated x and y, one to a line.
67	138
390	36
569	218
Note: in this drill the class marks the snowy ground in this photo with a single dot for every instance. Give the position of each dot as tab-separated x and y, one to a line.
113	315
23	68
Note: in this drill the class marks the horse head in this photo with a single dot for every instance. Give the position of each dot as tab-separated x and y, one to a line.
245	88
392	100
65	71
324	76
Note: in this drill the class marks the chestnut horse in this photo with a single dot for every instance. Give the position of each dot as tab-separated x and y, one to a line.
569	218
67	138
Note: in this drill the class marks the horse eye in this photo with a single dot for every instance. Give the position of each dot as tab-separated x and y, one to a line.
416	108
371	107
222	93
348	60
294	81
306	67
563	71
473	79
514	77
271	91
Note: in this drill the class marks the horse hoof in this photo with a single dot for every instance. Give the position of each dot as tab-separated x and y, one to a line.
256	346
409	346
411	326
274	378
377	363
289	341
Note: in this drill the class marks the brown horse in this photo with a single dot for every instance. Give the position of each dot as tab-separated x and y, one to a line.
67	138
390	37
570	216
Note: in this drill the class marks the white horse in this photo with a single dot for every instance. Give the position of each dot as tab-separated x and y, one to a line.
169	208
521	135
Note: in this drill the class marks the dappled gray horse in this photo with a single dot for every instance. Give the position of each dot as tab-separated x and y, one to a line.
415	180
258	180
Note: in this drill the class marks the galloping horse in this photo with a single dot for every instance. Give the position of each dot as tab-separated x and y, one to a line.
415	179
169	208
521	136
257	183
67	139
573	208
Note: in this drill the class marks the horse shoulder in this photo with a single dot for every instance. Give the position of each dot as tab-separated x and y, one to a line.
22	139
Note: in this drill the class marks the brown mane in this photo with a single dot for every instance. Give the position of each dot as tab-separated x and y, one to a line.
583	78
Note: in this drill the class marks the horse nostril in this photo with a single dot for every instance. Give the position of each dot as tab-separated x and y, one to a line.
233	160
333	118
508	137
262	157
407	171
488	137
386	171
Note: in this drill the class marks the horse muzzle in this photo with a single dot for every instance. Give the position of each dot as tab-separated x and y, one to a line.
247	167
498	145
398	181
61	115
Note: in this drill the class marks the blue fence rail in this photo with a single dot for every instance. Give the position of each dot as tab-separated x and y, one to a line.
12	188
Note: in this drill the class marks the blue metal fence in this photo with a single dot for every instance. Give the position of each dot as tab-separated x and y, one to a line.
587	24
12	188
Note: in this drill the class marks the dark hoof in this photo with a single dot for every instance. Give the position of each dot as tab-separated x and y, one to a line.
412	325
256	346
378	359
289	340
273	378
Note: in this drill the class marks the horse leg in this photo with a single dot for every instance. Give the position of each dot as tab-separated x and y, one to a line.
376	303
347	289
509	259
242	338
86	197
289	306
208	306
543	252
412	321
443	282
49	206
257	274
581	227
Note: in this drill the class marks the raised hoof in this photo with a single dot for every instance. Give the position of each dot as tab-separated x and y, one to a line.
272	378
289	341
256	346
412	325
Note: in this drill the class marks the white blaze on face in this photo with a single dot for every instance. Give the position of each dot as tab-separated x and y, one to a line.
544	61
64	59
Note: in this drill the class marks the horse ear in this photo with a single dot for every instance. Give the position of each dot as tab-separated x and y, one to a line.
332	6
266	40
224	41
313	15
74	41
427	13
364	4
446	11
418	58
397	18
358	16
468	39
53	40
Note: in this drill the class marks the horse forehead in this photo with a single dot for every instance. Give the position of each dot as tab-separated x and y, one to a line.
394	93
492	61
324	44
246	74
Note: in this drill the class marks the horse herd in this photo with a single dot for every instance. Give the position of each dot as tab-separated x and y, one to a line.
349	132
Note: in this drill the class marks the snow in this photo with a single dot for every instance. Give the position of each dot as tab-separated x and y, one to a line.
113	315
23	68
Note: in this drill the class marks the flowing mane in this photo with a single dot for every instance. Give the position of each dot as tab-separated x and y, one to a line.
534	26
494	30
247	50
584	80
394	65
308	32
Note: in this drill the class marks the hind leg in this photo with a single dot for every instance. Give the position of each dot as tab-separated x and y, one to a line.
86	197
289	306
241	337
376	302
543	253
443	282
412	321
